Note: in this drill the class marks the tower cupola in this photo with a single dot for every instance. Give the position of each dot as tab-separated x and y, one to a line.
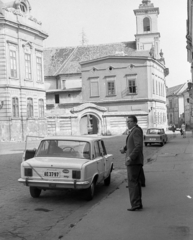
147	35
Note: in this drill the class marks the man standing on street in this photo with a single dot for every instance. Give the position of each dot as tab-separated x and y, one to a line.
134	162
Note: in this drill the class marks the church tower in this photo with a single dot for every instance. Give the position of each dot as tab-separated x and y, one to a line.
147	36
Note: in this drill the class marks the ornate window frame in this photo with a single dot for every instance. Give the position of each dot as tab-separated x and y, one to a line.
94	87
13	60
15	107
39	66
30	107
41	108
110	86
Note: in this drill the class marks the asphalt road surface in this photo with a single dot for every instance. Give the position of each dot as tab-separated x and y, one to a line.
26	218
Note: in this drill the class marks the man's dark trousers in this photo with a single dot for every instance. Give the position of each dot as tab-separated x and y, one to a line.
134	185
142	177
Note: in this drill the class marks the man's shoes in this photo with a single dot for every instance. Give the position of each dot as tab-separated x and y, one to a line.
135	208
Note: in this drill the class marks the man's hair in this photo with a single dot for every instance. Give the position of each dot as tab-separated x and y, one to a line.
133	117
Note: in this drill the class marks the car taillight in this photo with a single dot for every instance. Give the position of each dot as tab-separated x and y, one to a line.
28	172
76	174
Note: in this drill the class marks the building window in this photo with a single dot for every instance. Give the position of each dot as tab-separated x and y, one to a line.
153	86
13	63
171	119
15	107
57	98
131	86
64	84
146	24
159	89
28	66
94	88
29	107
39	69
41	108
110	86
156	88
170	103
23	7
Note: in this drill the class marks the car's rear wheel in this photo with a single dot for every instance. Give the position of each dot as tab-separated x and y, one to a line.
35	192
90	192
107	181
146	144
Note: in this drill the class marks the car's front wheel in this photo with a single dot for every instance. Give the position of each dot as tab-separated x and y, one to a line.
146	144
107	181
35	192
90	192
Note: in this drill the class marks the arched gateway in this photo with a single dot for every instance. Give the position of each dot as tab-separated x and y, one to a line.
89	118
89	124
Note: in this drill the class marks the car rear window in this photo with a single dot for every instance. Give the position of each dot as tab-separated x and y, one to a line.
155	131
64	148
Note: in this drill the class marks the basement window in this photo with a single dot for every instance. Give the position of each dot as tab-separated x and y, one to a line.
57	98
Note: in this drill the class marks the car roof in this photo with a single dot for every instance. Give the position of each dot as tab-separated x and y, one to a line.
76	138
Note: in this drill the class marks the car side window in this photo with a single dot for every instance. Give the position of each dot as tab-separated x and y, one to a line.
102	148
43	148
96	150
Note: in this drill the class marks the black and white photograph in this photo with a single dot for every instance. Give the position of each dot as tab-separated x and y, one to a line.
96	119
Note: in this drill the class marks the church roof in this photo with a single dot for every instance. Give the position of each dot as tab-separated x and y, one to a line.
65	60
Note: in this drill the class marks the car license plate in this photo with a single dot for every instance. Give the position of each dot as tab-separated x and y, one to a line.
51	174
152	139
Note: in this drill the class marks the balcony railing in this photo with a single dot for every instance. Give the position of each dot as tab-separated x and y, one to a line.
129	91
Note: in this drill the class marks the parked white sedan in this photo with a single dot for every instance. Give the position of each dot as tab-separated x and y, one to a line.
77	162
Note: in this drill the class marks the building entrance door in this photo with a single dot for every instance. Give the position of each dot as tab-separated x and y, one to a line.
89	124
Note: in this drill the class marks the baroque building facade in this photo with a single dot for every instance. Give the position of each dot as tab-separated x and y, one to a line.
85	89
22	89
91	89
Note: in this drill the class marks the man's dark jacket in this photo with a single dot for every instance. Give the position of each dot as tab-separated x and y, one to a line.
134	147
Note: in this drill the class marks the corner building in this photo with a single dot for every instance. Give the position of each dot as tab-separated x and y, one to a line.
22	88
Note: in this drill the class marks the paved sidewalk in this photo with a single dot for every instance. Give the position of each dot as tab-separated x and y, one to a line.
167	200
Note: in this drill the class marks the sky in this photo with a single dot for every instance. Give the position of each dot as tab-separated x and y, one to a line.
111	21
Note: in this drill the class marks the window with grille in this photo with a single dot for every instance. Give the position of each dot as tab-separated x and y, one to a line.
29	107
13	63
15	107
28	66
110	84
41	108
39	69
131	86
94	88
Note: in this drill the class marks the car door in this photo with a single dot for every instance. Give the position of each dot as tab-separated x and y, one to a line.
105	157
99	160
